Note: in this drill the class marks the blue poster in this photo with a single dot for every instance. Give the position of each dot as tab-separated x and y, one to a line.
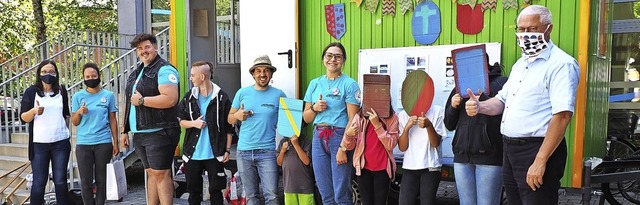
290	117
425	24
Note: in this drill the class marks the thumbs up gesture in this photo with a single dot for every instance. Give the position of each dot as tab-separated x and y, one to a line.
320	105
242	114
472	106
135	98
38	109
199	123
83	108
423	121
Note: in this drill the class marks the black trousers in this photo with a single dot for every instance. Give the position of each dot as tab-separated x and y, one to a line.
194	170
92	165
419	185
374	187
518	156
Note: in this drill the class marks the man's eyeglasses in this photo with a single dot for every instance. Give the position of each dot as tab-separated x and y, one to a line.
329	56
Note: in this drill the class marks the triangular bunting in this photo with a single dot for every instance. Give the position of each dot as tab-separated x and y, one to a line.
510	4
489	4
420	1
389	7
405	5
371	5
527	2
358	2
471	3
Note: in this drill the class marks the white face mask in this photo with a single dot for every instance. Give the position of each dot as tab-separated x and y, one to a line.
532	43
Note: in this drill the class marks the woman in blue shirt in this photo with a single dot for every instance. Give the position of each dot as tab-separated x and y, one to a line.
336	99
94	113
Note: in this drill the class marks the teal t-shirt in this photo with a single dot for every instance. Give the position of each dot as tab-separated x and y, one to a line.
337	93
94	125
259	130
203	147
166	75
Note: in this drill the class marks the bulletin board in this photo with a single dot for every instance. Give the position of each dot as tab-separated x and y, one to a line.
398	62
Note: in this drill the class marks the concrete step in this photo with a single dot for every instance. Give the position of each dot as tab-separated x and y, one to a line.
10	162
22	138
14	150
8	178
18	197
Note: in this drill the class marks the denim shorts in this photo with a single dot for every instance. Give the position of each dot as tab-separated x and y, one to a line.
156	149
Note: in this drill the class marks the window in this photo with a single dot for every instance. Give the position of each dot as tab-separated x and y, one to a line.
228	32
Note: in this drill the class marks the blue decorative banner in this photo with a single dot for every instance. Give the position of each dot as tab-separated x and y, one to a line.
425	24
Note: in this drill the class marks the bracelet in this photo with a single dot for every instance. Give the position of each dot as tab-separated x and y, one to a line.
312	110
227	151
124	133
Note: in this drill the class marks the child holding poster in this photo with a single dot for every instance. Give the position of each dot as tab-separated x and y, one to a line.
293	156
373	139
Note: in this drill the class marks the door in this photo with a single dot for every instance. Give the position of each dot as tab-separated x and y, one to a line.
269	28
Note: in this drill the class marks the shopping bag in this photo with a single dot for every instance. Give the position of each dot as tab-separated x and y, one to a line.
116	180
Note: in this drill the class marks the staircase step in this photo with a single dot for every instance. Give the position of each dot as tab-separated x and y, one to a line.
10	162
8	178
23	138
20	137
19	196
14	150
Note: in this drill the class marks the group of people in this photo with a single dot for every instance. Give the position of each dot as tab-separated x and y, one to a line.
513	138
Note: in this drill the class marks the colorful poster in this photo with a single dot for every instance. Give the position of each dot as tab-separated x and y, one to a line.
471	70
290	117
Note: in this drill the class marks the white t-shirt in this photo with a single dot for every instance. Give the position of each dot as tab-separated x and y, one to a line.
50	126
420	154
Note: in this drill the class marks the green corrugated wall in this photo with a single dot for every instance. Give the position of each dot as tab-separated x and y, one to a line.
597	90
395	31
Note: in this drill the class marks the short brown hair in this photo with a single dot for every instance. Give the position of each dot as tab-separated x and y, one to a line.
141	38
201	63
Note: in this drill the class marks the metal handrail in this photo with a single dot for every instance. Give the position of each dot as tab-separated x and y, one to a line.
41	44
52	57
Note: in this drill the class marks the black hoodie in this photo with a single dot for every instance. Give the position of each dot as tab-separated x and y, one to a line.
477	139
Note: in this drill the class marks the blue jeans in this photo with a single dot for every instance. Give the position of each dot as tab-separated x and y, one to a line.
333	180
478	184
254	165
58	154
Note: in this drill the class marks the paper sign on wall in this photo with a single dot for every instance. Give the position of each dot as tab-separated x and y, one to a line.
335	20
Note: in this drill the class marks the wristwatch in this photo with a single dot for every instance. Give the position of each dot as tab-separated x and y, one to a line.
141	101
343	148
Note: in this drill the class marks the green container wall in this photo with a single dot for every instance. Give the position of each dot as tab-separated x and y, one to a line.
395	31
595	134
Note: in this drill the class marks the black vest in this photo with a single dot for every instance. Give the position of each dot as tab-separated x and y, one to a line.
146	117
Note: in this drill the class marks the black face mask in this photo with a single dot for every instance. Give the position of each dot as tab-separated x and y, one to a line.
49	79
92	83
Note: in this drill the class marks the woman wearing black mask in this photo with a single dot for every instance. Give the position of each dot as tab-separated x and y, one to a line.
45	107
94	113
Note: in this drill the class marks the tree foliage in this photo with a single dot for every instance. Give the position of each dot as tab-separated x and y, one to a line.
19	28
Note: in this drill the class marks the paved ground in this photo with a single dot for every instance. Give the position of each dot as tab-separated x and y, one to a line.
447	194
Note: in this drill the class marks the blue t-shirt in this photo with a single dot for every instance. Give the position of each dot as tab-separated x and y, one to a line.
94	125
203	147
337	93
166	75
259	130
